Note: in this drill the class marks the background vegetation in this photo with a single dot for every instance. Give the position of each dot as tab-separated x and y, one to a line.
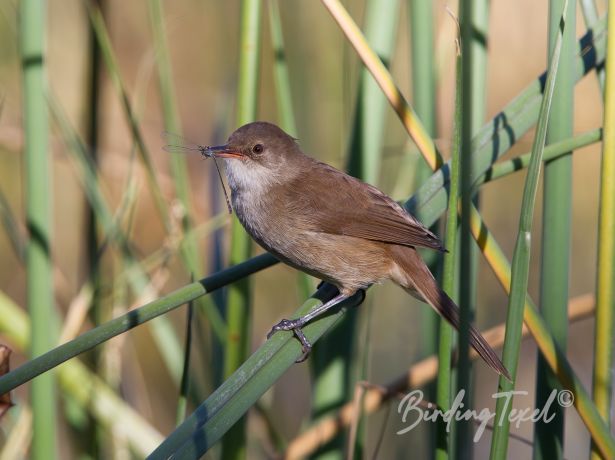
97	220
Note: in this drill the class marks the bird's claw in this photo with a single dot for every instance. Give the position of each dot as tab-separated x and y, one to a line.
284	325
295	326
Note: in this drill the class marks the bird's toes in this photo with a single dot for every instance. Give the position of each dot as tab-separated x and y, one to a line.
284	325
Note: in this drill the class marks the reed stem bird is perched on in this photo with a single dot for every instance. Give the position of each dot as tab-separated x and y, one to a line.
329	224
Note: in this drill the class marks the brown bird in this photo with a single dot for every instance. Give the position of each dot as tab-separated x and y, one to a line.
331	225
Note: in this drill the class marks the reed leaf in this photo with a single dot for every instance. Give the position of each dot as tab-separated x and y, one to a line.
521	257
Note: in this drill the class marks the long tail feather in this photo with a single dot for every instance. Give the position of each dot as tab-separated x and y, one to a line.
417	279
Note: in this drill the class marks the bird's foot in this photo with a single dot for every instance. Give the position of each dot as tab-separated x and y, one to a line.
295	326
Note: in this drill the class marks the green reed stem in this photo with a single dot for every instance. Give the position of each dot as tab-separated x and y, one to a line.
238	301
424	100
605	288
474	17
521	257
556	229
38	220
445	378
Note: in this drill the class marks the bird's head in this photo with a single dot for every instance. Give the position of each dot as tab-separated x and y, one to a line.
258	155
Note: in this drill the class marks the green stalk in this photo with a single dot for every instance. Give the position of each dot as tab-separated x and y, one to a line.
474	17
100	309
424	99
38	218
445	376
605	290
238	301
521	257
335	362
557	203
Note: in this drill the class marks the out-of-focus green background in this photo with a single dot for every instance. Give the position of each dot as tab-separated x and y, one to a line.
203	41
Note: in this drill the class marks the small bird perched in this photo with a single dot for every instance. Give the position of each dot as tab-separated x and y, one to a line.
331	225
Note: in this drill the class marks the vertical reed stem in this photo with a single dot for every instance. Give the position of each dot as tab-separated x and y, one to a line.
424	100
557	199
38	219
238	302
605	288
473	56
445	375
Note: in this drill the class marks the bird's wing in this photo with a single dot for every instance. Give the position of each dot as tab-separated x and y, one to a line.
346	206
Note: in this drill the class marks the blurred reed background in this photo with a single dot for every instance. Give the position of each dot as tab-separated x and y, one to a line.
87	88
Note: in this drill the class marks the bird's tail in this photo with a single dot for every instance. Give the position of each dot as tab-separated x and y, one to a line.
417	279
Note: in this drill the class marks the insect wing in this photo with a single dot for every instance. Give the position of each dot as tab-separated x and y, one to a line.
177	144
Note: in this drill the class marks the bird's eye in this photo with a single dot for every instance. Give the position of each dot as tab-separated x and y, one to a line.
258	148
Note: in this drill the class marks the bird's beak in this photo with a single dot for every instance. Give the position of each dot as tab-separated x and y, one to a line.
224	151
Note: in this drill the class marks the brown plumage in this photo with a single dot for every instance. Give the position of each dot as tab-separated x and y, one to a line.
330	225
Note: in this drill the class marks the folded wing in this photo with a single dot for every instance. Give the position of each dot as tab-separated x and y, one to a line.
366	212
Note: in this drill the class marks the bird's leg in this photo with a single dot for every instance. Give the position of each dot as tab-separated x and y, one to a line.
295	325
